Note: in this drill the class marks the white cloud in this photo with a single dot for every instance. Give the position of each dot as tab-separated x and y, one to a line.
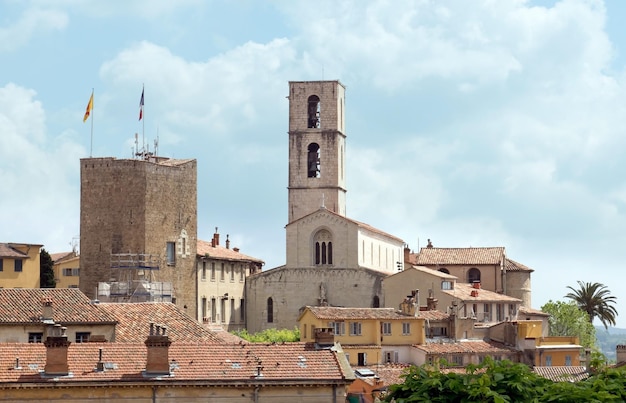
30	23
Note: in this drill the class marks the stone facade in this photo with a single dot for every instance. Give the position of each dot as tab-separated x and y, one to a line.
145	207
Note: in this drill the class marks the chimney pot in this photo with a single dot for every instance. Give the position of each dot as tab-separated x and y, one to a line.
227	242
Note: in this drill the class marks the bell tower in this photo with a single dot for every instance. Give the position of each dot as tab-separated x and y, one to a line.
316	147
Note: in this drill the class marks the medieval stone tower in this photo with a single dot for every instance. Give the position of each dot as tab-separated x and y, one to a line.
316	147
138	227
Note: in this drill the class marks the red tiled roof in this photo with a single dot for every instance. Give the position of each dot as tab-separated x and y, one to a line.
461	347
57	257
220	252
433	315
7	250
512	265
562	374
135	318
524	310
289	363
336	313
69	306
389	374
466	256
463	291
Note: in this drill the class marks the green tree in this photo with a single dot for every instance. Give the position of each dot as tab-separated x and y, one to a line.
596	300
566	319
46	271
270	335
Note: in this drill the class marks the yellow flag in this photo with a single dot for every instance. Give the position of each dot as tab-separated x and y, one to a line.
89	108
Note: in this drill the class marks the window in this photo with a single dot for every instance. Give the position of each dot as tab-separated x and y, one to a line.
362	359
487	316
232	311
232	272
406	328
313	161
170	251
473	275
213	310
323	247
203	308
376	302
35	337
386	328
18	264
568	360
82	337
339	328
203	270
355	328
456	359
512	310
212	271
446	285
313	109
222	273
71	272
303	332
499	312
270	310
444	270
242	273
242	310
391	357
1	265
222	310
548	360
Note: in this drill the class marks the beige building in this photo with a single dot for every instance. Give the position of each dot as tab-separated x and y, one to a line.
66	267
221	274
138	230
331	259
19	265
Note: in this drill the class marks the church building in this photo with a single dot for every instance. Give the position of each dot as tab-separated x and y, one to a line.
331	260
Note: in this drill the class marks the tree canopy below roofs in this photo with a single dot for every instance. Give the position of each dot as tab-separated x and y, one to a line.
566	319
501	382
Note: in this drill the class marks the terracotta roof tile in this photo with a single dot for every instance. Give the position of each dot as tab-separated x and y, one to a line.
524	310
69	305
134	320
463	291
462	347
220	252
512	265
7	250
336	313
467	256
561	374
58	257
389	374
212	363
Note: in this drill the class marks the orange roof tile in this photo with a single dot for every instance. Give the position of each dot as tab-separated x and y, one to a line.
461	347
69	306
467	256
7	250
563	374
134	318
289	363
512	265
336	313
463	291
205	248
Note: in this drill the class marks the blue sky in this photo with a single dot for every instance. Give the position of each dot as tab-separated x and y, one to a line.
486	123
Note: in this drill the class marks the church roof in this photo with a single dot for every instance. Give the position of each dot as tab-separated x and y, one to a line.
512	265
358	223
463	291
466	256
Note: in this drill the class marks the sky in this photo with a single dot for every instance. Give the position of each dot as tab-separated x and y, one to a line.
483	123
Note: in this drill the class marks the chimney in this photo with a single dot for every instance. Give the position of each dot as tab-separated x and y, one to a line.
431	301
407	254
56	351
430	244
216	239
158	344
324	337
46	309
227	242
236	249
476	284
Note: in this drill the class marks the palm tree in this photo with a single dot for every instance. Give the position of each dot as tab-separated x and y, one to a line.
596	300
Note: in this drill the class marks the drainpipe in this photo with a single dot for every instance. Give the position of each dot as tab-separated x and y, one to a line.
255	395
334	393
154	388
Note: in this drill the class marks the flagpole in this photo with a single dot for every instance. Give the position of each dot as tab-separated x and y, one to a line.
143	121
91	146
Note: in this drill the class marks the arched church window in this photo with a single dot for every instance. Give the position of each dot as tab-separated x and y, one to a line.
444	270
473	275
323	247
314	112
313	161
270	310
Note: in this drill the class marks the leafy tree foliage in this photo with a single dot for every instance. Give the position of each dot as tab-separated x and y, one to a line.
566	319
46	271
270	335
502	382
596	300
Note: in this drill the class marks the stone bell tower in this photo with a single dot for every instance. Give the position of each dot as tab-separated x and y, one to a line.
316	147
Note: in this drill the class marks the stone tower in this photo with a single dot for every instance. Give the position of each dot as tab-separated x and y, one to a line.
146	211
316	147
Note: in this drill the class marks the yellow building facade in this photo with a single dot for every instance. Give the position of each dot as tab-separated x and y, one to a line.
19	265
